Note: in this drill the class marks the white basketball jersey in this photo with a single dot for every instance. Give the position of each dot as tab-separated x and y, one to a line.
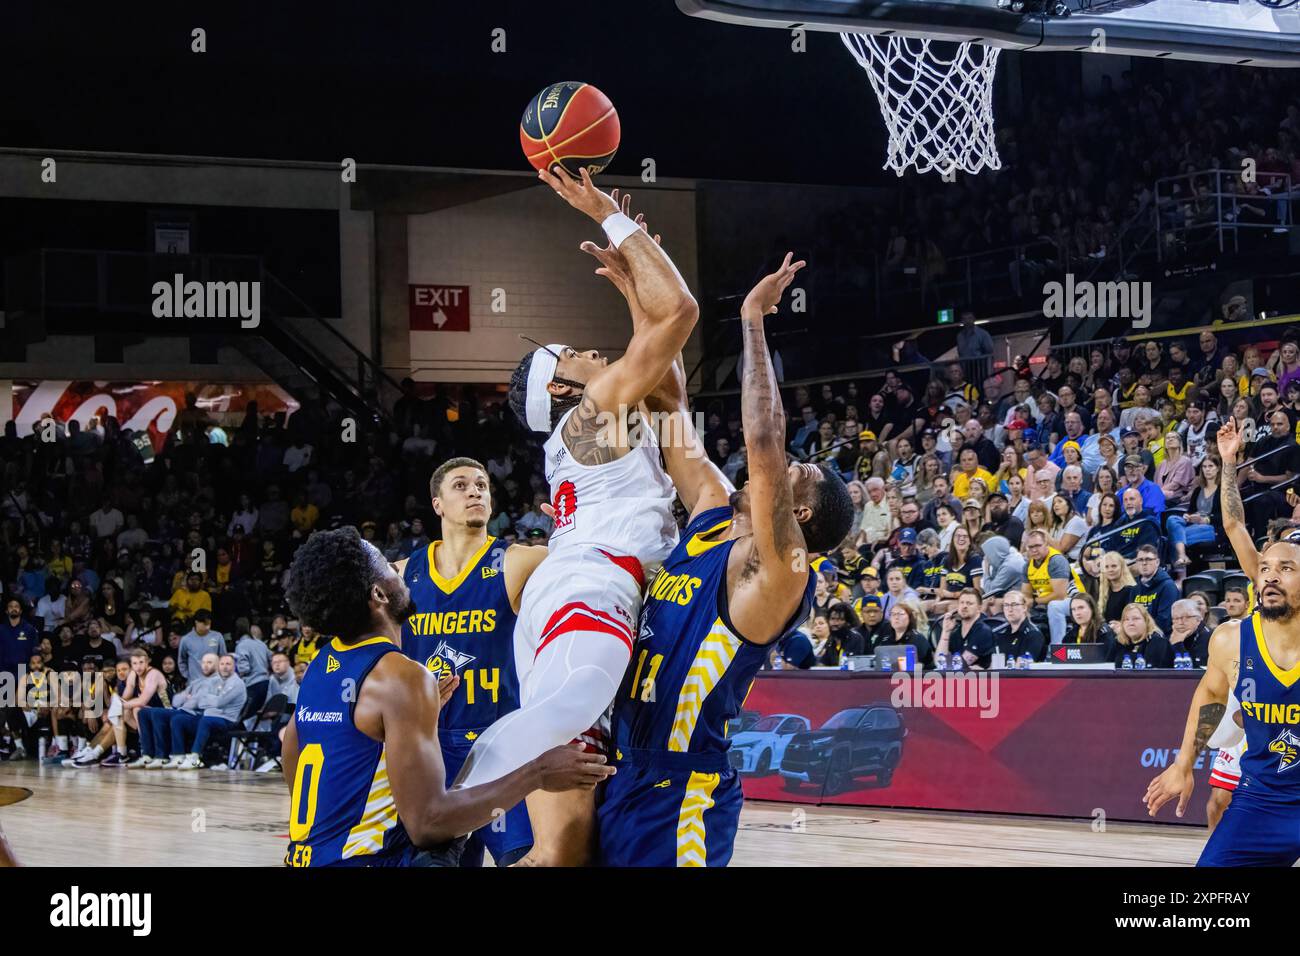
624	506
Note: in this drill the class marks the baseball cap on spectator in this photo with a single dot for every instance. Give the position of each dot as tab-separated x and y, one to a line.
866	435
1127	432
869	599
972	503
1017	425
1134	460
997	494
1260	373
870	571
907	536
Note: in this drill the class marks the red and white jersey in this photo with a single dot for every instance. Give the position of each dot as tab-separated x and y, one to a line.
624	506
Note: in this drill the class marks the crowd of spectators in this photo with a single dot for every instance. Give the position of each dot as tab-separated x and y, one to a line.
109	547
1036	506
1065	505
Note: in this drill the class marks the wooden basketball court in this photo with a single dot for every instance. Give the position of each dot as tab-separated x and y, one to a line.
215	818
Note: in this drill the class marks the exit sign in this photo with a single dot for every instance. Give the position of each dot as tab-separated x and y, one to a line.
945	316
439	308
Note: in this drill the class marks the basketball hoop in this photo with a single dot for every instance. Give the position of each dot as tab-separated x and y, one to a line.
938	112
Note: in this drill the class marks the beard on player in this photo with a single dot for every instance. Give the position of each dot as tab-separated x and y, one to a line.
401	606
1276	605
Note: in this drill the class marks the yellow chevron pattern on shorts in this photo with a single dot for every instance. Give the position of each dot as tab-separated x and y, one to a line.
690	819
379	817
715	655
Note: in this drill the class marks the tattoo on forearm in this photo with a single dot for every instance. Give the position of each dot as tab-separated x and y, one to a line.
1206	721
1233	509
761	411
586	434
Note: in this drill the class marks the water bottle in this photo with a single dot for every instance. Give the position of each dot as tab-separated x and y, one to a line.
940	661
1127	663
887	663
40	751
844	662
956	663
1026	661
1180	662
1139	662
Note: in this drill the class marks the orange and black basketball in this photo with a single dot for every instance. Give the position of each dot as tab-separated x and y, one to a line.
573	124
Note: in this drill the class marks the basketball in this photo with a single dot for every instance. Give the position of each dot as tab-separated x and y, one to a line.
573	124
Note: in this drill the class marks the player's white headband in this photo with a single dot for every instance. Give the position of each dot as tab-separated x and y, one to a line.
537	403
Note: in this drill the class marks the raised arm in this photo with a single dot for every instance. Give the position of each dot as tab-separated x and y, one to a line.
668	310
1234	512
775	570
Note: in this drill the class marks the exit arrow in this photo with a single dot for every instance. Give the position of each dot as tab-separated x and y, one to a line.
440	318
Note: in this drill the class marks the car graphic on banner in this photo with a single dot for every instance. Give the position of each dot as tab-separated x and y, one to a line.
857	742
759	749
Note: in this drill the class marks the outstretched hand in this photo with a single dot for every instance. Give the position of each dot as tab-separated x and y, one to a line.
581	194
1229	439
763	298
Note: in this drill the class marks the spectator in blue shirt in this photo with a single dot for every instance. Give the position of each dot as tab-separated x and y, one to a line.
1153	499
18	638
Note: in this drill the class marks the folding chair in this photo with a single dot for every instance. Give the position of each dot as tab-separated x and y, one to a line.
252	743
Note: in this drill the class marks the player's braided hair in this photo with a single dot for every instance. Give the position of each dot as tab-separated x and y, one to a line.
330	581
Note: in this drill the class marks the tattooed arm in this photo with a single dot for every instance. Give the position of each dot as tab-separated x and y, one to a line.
769	571
1208	706
665	314
1234	512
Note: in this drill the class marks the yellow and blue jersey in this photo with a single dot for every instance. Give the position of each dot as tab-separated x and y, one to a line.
1261	826
675	800
465	626
1270	712
342	810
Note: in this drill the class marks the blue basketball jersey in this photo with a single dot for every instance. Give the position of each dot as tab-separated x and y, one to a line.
690	671
342	809
1270	711
465	626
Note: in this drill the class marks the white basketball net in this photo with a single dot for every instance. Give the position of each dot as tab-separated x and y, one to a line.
939	113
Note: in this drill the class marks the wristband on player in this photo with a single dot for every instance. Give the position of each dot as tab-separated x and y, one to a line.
618	227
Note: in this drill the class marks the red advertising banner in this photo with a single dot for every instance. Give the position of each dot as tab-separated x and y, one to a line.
1060	746
439	308
141	406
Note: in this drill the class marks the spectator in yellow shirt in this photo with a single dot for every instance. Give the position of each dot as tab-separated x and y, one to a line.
968	469
304	514
189	600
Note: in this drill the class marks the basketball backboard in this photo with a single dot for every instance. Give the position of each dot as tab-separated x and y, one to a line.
1245	32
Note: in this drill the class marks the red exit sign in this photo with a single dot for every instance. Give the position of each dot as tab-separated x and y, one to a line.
439	308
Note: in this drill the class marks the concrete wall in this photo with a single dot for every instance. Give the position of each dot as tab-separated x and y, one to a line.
526	244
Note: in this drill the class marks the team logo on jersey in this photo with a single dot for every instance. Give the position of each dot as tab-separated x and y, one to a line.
331	664
489	572
446	660
565	505
1287	746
